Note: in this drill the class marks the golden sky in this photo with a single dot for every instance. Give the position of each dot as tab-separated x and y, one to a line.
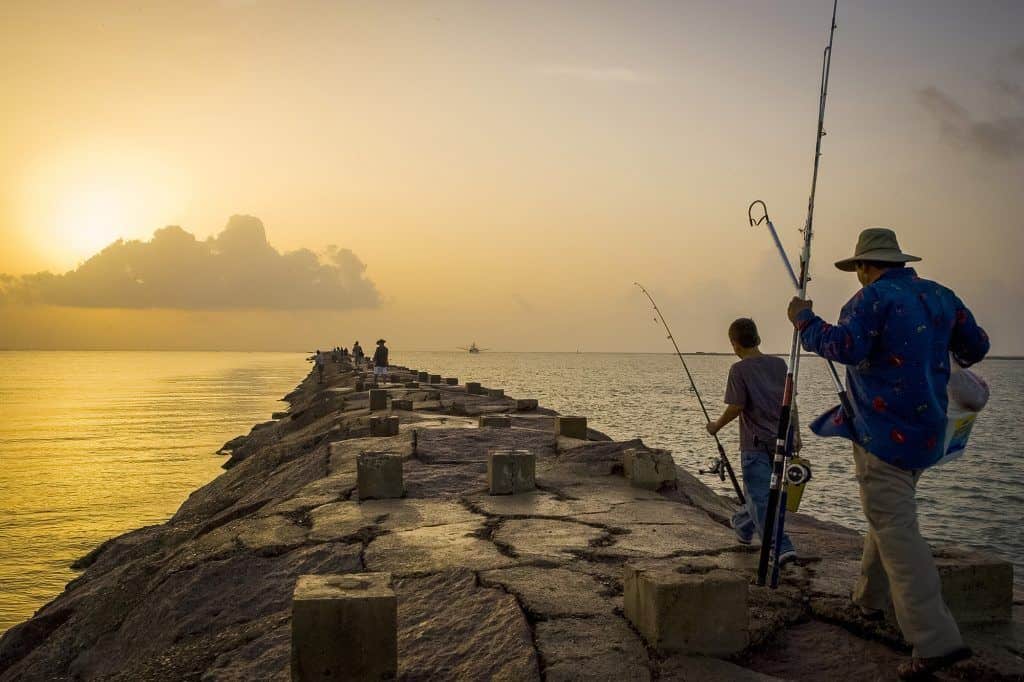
504	171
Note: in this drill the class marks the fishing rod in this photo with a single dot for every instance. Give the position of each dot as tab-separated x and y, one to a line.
723	461
844	398
775	513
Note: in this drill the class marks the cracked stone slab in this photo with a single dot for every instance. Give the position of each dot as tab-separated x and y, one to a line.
450	628
611	490
547	539
599	648
346	519
664	540
708	670
649	512
552	592
537	503
433	549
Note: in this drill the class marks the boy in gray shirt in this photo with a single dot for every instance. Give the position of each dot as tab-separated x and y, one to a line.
754	394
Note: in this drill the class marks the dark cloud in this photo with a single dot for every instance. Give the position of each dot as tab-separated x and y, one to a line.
999	136
237	269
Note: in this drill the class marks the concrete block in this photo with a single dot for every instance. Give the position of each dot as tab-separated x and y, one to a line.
474	388
401	404
526	404
649	469
571	427
432	395
344	627
977	588
511	471
361	385
383	426
412	384
451	381
379	475
422	377
435	378
496	421
378	399
495	393
677	610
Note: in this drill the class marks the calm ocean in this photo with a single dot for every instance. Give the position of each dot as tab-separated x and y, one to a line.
93	444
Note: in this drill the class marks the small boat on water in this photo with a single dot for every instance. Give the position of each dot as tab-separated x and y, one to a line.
473	348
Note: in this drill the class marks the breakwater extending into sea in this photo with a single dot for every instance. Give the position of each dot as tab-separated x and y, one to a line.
521	587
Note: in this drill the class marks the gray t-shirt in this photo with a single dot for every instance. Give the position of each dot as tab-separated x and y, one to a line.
756	384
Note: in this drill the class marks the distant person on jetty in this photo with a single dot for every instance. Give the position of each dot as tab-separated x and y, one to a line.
318	362
753	392
897	336
380	359
357	354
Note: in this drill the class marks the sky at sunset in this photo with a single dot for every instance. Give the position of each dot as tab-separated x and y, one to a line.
291	174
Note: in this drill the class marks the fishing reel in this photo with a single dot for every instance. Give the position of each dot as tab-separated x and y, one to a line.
715	468
796	475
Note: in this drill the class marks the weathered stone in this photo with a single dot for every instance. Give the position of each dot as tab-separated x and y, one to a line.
597	648
401	404
451	628
451	381
571	427
547	539
412	384
495	421
682	608
279	415
495	393
378	399
434	548
379	475
651	469
539	503
383	427
423	377
350	520
977	588
344	627
553	592
474	388
431	395
510	472
434	378
526	404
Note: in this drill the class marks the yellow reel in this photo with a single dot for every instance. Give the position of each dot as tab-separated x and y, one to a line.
798	473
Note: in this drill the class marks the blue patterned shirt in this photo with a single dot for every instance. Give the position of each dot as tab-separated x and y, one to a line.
896	336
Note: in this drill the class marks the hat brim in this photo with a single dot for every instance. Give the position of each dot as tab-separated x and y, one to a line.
850	264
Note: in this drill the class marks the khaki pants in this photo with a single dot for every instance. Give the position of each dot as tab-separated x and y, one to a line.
898	560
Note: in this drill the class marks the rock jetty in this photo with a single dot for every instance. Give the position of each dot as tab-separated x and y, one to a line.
565	579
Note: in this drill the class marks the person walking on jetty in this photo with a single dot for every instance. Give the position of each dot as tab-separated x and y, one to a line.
380	359
357	354
753	392
898	336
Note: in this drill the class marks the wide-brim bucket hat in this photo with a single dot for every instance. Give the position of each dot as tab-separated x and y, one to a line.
380	341
876	244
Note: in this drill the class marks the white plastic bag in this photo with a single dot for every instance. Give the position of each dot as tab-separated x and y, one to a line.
968	394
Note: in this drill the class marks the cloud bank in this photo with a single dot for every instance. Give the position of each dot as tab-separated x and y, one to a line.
1000	136
237	269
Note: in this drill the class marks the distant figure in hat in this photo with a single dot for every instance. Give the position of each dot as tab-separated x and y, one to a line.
380	359
897	336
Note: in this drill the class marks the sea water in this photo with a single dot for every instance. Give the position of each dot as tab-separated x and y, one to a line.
93	444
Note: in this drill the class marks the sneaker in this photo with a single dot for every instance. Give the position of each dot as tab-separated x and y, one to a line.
743	539
787	557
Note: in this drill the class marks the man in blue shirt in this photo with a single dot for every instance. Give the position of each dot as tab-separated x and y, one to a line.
897	336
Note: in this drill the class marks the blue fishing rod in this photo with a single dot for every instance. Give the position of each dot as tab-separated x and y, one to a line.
775	514
722	465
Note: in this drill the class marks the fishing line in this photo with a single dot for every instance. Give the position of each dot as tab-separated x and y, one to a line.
722	467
